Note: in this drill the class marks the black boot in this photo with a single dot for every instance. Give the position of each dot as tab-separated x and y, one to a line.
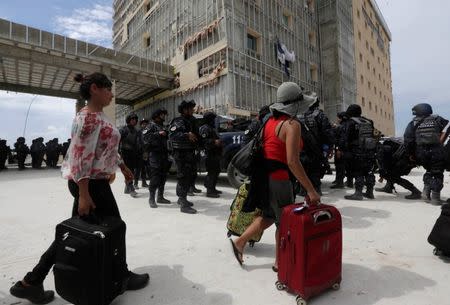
151	200
369	193
426	193
144	183
436	198
161	198
186	206
385	189
132	192
136	186
127	189
414	195
337	185
136	281
212	194
217	191
34	294
193	189
358	195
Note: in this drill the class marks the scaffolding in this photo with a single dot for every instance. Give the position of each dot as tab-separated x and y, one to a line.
337	55
224	51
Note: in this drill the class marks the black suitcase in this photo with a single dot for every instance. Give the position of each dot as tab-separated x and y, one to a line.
90	260
440	235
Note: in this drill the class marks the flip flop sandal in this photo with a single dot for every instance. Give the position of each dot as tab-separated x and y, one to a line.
237	253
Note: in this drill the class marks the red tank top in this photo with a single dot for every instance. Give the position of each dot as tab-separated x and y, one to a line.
274	148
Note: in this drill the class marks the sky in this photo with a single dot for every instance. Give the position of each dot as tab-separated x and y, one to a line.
419	53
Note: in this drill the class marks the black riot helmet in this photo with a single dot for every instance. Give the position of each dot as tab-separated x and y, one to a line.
422	109
209	117
354	110
130	117
186	105
342	115
21	140
158	112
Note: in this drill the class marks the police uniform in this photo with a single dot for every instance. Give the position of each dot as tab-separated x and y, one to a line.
184	153
213	152
22	152
5	151
359	146
339	162
155	145
142	160
129	148
423	139
320	128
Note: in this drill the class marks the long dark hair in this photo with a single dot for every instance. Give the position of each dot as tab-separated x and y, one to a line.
97	78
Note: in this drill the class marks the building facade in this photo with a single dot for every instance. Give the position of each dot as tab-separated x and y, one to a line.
373	65
229	55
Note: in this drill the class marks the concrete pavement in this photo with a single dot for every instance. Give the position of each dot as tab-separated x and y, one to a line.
386	258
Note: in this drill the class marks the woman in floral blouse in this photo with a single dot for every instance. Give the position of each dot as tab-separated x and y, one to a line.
89	166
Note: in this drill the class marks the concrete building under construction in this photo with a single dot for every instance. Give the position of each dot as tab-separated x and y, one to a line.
229	55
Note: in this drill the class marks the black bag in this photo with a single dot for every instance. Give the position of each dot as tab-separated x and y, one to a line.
440	235
90	264
250	154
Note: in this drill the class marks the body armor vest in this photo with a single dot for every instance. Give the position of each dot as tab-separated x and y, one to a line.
428	132
366	140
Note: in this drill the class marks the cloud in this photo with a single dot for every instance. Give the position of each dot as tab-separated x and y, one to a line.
92	24
49	117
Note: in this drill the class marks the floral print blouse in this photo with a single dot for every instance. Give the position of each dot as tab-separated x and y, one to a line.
93	151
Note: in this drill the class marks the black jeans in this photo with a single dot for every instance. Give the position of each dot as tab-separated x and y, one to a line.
106	205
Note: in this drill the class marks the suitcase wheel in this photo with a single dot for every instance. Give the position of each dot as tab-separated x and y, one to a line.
251	244
300	300
280	285
336	286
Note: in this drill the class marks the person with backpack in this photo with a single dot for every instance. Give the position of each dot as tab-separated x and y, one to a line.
22	152
423	140
393	163
314	159
281	146
359	145
90	166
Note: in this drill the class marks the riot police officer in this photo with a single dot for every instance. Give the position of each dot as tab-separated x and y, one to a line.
393	163
183	138
423	143
37	151
320	128
339	162
65	148
129	148
256	124
213	150
22	152
5	151
154	138
359	146
52	152
142	160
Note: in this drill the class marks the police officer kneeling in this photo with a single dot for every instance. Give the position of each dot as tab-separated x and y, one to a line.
183	137
213	150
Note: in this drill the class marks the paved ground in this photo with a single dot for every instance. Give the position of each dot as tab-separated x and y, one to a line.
386	257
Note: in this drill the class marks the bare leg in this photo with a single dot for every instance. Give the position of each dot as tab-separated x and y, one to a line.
258	225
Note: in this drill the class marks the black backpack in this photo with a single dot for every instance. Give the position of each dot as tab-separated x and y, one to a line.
366	140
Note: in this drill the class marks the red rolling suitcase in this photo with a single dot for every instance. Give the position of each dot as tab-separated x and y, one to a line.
310	253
